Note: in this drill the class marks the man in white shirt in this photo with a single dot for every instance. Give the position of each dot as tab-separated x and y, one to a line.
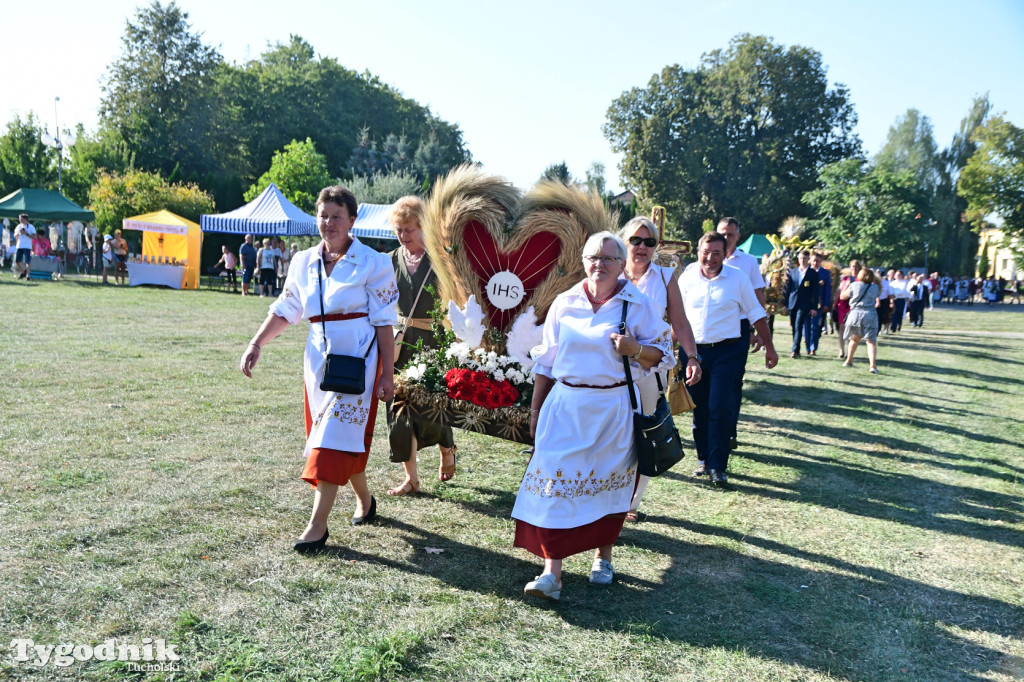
23	234
730	228
716	297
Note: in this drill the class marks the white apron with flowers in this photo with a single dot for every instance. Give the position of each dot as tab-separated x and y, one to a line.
362	281
584	463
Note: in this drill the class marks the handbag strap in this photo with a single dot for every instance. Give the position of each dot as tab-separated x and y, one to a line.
862	295
323	317
625	362
412	311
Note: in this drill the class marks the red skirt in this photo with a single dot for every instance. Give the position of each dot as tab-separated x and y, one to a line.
337	466
559	543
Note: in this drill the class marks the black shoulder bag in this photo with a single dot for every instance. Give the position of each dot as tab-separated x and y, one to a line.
658	445
342	373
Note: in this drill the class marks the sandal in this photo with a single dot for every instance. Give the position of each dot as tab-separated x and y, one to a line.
446	471
632	516
407	488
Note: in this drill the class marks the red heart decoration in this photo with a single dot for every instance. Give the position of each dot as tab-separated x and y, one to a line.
531	263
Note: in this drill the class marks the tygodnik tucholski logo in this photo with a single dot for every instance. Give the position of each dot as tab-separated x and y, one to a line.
150	655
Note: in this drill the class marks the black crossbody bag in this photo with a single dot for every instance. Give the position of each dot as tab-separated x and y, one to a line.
342	373
658	446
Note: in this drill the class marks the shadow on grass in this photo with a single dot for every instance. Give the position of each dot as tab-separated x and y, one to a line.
714	596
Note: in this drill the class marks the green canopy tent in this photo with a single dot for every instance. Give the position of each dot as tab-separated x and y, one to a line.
756	245
43	204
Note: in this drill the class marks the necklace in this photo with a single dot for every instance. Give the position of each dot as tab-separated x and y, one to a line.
411	259
331	258
594	301
640	276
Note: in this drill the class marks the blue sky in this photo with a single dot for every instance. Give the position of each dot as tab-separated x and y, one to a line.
529	82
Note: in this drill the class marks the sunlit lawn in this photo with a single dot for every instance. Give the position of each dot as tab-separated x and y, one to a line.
873	529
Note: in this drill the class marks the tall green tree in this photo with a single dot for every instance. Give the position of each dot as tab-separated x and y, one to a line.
869	212
160	97
992	182
956	242
911	146
743	134
299	171
24	160
557	172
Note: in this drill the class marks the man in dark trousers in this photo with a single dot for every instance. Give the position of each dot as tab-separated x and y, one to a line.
802	292
824	300
716	297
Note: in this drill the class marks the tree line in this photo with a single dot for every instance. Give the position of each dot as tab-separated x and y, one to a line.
756	131
173	109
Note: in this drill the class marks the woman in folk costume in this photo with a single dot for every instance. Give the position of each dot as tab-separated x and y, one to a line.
659	284
579	482
414	273
358	292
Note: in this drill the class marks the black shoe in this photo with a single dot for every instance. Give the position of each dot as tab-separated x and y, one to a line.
700	470
370	515
733	444
718	477
306	546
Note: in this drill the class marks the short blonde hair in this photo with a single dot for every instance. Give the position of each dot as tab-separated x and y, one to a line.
407	209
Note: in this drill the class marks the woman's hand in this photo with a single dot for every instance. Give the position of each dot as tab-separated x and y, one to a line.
625	344
249	359
534	416
386	387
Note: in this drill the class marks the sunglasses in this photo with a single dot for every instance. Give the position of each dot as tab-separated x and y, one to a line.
649	242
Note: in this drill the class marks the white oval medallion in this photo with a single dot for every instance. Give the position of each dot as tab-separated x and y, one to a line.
505	290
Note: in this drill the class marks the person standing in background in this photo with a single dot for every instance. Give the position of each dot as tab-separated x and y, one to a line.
23	235
247	254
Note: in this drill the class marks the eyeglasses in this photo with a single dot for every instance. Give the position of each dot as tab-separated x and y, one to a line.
649	242
606	261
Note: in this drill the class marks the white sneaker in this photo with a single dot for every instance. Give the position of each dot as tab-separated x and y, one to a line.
544	586
601	573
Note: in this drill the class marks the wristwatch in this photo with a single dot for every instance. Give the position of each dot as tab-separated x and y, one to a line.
636	355
695	356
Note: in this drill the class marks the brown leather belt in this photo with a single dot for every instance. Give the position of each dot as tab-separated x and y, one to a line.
621	383
337	317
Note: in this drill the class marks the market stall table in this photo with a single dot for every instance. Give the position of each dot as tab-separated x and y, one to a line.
150	273
46	267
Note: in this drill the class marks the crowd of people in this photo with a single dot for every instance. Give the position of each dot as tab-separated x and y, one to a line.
266	264
581	483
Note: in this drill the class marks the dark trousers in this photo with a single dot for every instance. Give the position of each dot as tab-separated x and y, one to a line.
899	309
801	321
738	395
917	313
816	323
715	397
884	313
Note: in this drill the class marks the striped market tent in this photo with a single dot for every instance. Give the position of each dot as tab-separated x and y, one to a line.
268	215
372	222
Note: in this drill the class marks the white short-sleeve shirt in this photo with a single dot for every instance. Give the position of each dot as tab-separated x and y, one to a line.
714	307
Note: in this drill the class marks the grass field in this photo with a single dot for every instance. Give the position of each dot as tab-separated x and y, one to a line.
873	529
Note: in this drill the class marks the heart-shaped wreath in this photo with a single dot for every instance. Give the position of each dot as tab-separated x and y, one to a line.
509	250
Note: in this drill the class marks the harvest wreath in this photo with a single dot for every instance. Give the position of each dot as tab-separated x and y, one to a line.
501	258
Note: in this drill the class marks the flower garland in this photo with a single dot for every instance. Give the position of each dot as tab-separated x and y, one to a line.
475	375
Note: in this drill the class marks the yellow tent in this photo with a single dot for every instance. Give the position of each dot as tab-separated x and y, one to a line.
170	236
